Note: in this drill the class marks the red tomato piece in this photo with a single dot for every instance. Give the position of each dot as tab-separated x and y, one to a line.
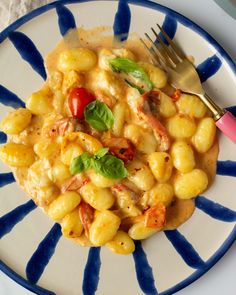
121	148
176	95
86	213
155	216
78	99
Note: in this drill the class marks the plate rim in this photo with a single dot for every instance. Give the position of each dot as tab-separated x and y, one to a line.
144	3
228	242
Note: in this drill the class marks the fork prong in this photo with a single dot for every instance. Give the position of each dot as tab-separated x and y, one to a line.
154	49
174	47
172	56
155	58
162	55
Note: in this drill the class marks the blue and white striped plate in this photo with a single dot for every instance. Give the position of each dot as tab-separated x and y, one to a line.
32	251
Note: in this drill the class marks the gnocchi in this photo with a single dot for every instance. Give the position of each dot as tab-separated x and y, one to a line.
161	165
69	151
191	105
46	195
97	197
107	147
87	142
101	181
119	112
37	173
161	193
182	156
139	231
39	103
167	106
17	155
71	225
16	121
181	126
204	137
77	59
59	172
63	205
104	228
143	139
121	243
140	175
157	76
45	148
190	184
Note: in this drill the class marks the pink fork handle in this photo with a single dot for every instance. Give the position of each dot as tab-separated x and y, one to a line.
227	124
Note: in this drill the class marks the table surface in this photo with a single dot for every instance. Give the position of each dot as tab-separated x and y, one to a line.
221	278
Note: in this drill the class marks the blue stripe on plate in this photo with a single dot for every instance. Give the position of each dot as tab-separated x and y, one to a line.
169	26
227	168
232	109
9	220
144	271
214	258
10	99
23	282
6	178
66	20
185	249
209	67
28	51
3	137
40	258
215	210
122	20
91	272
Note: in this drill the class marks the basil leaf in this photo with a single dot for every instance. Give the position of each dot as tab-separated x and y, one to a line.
110	167
101	152
80	163
99	116
131	68
140	90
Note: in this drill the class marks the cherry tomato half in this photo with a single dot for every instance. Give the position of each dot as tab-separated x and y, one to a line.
78	99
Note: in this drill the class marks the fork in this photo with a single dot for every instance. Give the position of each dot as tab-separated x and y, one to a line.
183	76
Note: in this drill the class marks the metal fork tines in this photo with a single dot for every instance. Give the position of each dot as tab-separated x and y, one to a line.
181	71
167	56
182	75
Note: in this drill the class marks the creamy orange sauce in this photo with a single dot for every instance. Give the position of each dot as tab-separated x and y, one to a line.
99	37
179	210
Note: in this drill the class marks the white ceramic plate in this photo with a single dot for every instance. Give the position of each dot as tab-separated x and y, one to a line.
32	251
